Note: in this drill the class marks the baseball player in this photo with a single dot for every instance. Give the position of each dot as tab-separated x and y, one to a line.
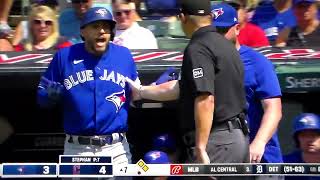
262	91
88	79
306	134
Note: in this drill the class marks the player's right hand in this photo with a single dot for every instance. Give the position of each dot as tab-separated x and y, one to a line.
136	88
53	89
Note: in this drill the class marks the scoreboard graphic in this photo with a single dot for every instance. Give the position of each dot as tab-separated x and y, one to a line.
102	166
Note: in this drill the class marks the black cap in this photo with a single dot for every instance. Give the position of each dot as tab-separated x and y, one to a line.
195	7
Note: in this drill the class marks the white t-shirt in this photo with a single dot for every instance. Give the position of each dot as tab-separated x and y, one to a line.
136	37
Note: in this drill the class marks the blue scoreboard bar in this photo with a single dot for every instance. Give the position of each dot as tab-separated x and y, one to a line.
17	170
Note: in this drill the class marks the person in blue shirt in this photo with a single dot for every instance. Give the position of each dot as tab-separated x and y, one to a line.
275	20
263	93
306	134
88	79
70	19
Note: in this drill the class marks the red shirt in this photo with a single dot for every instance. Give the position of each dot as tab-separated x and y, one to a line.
252	36
60	45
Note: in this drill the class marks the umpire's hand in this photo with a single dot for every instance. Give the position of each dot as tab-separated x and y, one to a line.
202	156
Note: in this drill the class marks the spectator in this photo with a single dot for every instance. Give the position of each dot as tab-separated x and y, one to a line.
306	135
247	29
307	32
70	18
275	26
5	7
22	30
43	31
128	31
5	45
285	15
166	11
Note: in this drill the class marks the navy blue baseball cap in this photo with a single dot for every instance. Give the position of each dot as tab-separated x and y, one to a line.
156	157
224	15
303	1
97	14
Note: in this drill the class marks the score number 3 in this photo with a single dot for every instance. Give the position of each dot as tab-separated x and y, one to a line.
46	170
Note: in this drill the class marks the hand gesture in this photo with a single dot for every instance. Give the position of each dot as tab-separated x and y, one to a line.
54	89
136	88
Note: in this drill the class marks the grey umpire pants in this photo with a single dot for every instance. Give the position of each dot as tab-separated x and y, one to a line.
225	146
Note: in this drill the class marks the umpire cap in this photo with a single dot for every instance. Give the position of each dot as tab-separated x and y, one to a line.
97	14
156	157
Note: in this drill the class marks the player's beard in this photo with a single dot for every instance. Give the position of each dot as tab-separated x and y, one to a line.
93	48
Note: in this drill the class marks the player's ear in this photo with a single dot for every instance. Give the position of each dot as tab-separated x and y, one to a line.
182	17
237	29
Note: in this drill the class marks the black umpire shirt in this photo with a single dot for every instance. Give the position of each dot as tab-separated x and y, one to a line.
211	64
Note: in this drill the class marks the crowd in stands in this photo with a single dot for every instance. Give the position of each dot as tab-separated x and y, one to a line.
53	24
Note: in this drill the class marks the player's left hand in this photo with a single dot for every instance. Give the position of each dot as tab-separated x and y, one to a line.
202	156
135	87
256	151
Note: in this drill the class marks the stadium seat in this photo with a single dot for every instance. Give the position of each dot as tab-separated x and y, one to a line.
158	28
172	43
175	29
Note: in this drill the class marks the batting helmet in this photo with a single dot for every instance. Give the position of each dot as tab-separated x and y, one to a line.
97	14
164	142
156	157
306	121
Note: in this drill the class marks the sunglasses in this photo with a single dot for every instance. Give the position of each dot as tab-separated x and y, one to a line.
126	12
79	1
39	22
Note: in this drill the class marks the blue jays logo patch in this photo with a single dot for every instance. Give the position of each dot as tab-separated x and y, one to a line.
118	99
217	12
102	12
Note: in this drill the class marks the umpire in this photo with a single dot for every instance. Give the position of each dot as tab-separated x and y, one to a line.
210	90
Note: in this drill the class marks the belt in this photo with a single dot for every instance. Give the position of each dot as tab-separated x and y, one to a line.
228	125
96	140
232	123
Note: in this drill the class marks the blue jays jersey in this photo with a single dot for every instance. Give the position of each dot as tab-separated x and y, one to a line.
293	157
96	97
261	82
296	157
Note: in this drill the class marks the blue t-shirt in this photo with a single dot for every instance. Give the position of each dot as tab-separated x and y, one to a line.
261	82
271	21
69	23
96	96
296	157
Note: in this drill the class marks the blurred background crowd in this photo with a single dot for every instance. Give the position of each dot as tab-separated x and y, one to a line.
151	24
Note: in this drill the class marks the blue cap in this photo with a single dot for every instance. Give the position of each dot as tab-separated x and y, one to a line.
156	157
164	142
97	14
306	121
301	1
224	15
